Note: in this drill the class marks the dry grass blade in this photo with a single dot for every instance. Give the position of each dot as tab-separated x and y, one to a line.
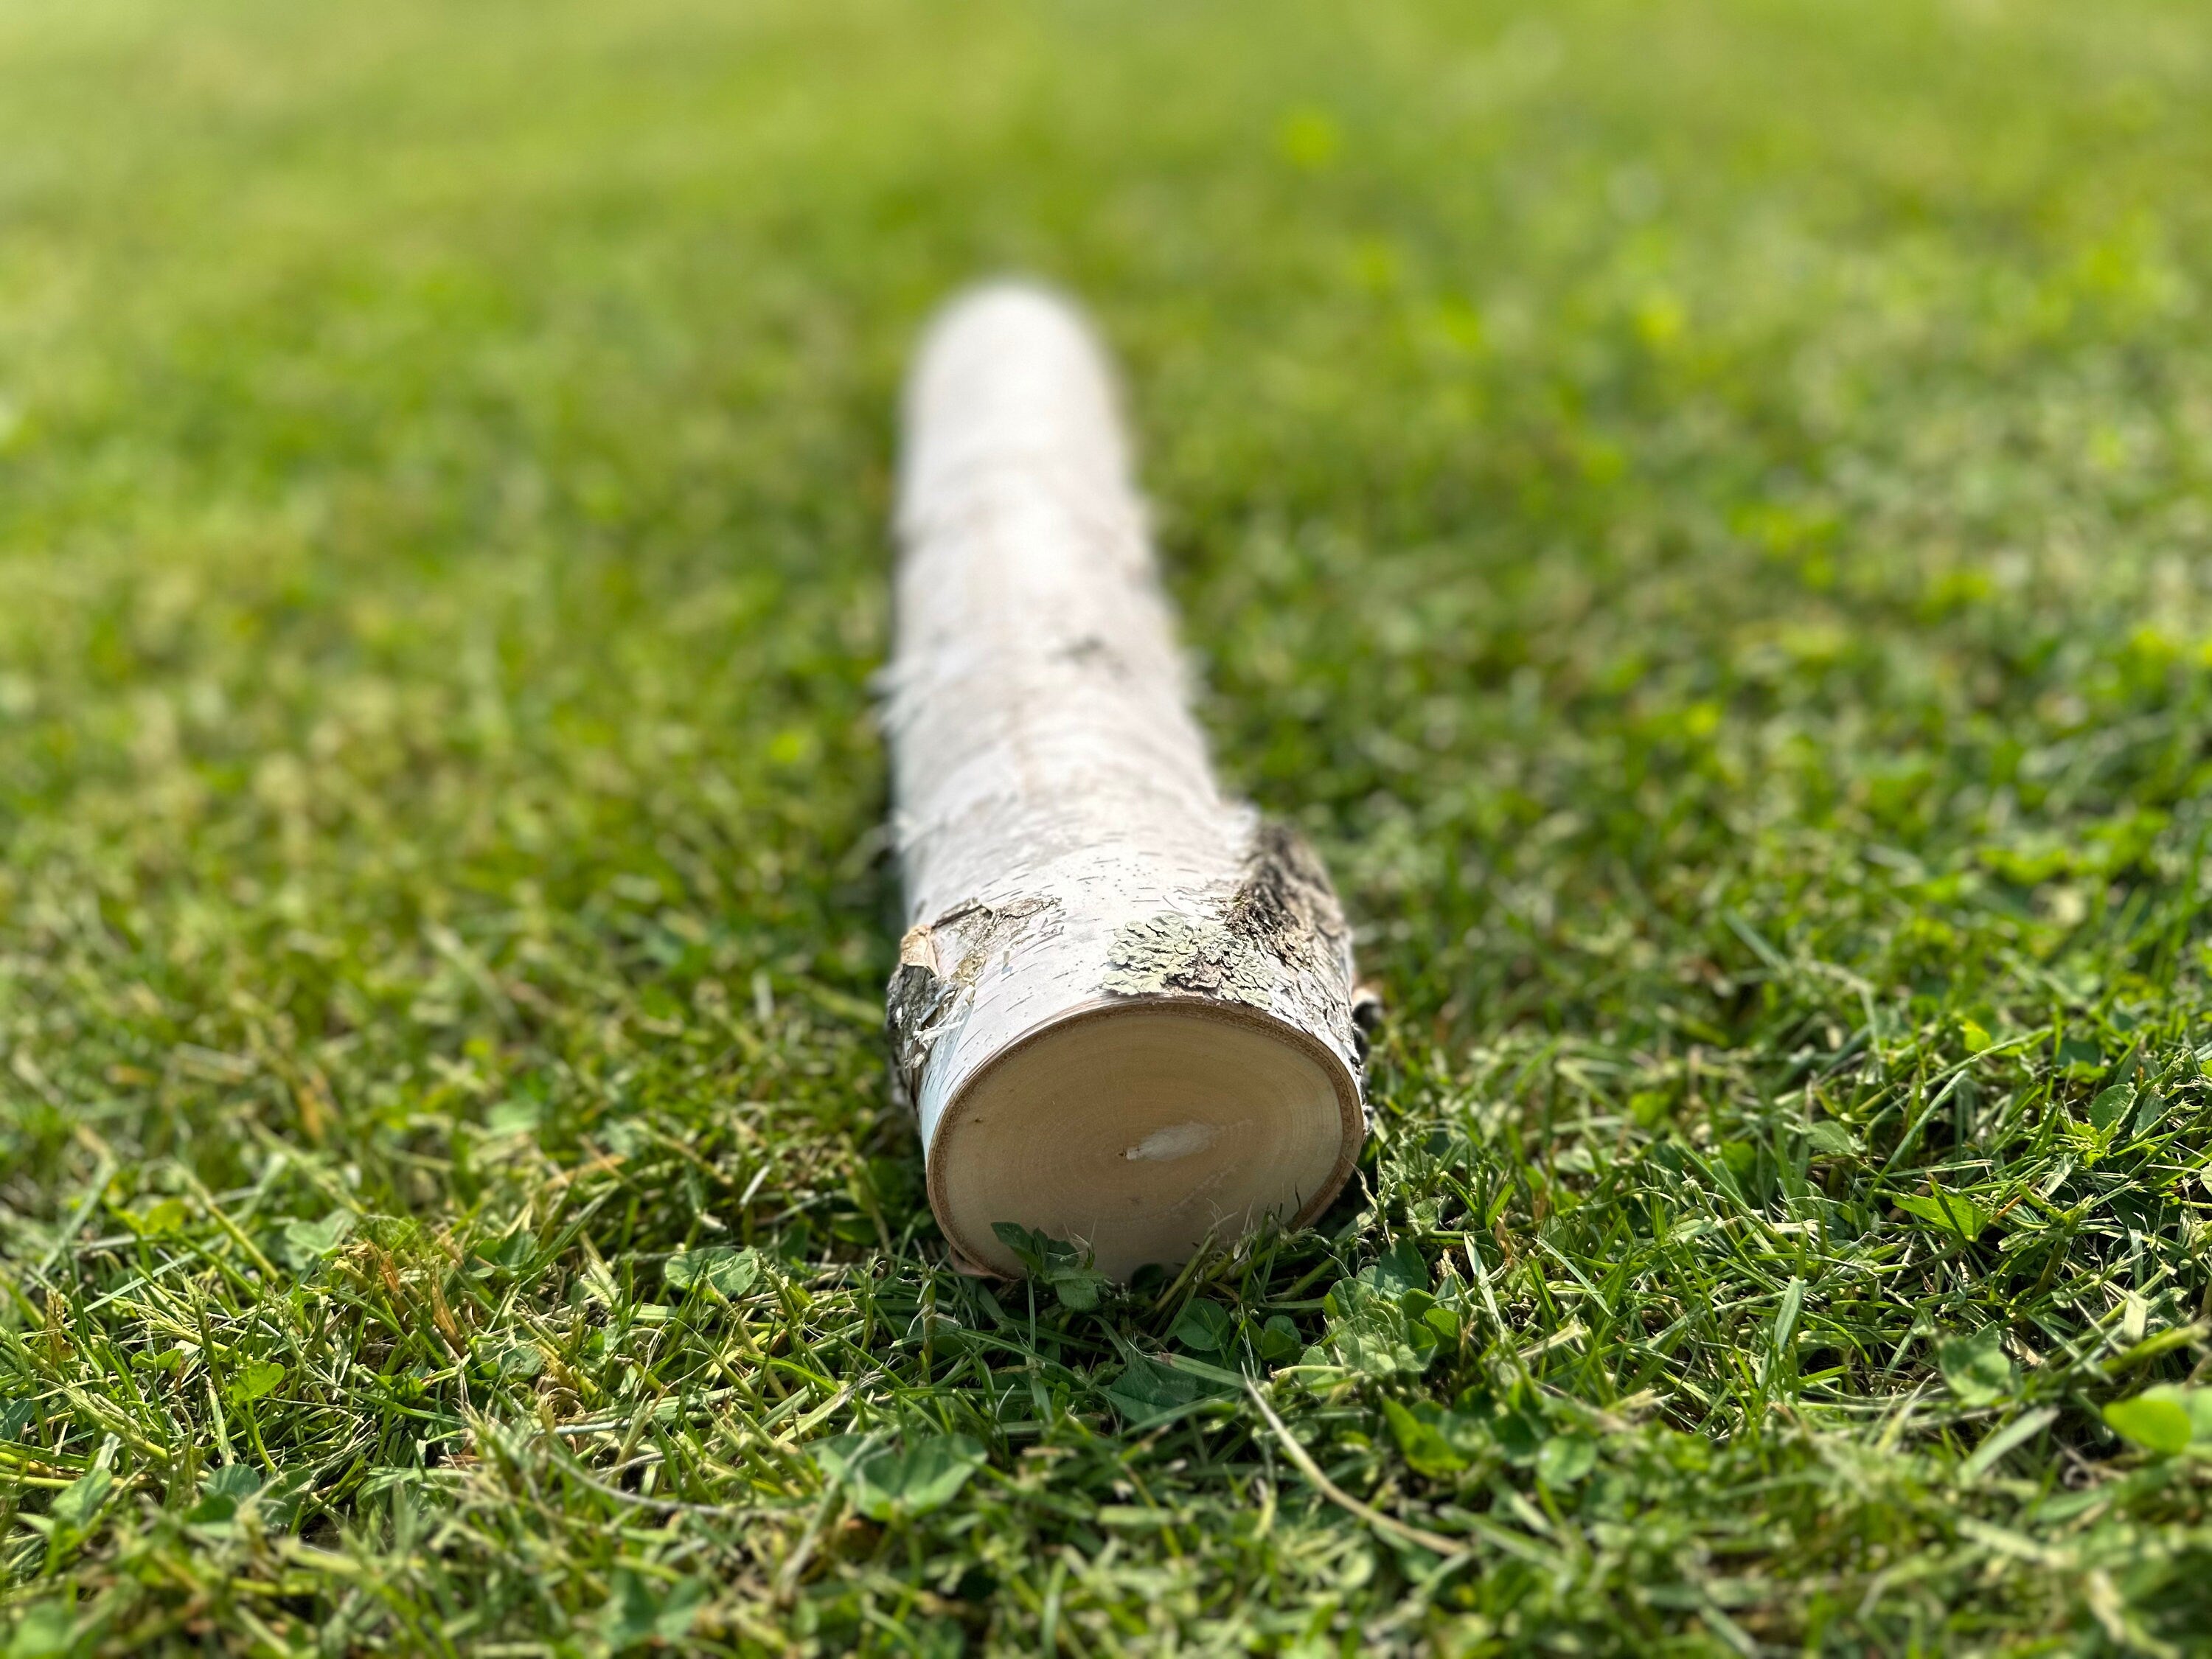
1435	1543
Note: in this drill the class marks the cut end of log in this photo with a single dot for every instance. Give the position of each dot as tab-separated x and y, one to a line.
1143	1128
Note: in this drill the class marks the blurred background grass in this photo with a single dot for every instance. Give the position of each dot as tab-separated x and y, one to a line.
1700	508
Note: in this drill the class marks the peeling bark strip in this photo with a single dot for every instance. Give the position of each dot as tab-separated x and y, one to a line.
1124	1006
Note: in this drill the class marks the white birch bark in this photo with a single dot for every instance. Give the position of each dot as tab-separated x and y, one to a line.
1124	1006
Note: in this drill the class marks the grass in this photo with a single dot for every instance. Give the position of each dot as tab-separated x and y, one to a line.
1701	509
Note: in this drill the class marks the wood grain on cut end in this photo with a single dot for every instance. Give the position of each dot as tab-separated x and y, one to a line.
1143	1128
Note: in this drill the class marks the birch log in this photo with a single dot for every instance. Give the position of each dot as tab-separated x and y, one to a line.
1124	1006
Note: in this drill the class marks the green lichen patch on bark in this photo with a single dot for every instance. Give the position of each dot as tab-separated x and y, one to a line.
1281	930
1171	952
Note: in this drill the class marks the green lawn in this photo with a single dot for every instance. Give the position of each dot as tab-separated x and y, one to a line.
1703	511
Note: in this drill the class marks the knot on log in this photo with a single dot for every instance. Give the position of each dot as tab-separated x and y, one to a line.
925	998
